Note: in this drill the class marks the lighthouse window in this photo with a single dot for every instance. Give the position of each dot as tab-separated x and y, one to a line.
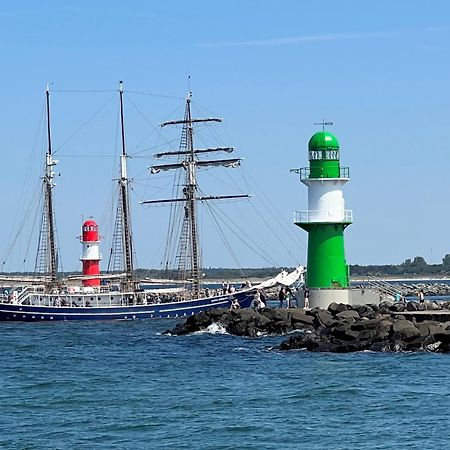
315	154
332	154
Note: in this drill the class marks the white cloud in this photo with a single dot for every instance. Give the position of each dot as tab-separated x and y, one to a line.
313	38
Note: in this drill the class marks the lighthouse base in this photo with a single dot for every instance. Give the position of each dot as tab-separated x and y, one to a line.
322	298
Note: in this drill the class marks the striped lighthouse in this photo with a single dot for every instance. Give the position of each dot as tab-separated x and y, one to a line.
91	256
325	220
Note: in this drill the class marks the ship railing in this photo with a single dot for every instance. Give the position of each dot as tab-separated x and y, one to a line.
23	294
317	216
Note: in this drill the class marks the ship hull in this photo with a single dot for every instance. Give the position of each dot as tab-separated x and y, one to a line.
35	313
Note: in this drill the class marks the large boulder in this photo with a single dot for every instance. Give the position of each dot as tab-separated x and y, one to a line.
202	320
335	308
324	317
412	306
432	306
386	304
349	316
366	324
298	315
262	321
244	314
404	330
282	326
238	328
368	335
345	333
347	347
302	326
278	314
217	313
193	323
384	329
364	310
429	327
308	341
397	307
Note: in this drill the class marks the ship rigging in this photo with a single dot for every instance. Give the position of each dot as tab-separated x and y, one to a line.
188	257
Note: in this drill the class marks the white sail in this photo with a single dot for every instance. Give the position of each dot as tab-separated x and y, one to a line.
284	278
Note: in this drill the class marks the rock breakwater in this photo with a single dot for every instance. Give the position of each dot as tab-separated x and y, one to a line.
340	328
411	289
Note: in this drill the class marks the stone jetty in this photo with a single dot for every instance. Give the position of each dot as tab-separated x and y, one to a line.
341	328
411	289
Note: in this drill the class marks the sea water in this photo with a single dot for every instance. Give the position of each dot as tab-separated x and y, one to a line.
125	385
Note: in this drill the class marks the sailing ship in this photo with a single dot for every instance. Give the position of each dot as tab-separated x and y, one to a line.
120	295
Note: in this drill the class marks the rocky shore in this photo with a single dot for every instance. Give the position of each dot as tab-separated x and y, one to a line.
340	328
411	289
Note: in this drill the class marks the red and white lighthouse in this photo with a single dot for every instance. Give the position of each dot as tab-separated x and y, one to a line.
91	255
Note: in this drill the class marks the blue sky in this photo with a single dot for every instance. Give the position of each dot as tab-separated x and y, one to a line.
379	69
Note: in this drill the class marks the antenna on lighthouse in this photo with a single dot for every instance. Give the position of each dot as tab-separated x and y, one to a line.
323	123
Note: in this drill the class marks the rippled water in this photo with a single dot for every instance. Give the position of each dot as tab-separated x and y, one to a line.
124	385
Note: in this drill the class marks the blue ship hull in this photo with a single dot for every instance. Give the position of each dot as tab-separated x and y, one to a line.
34	313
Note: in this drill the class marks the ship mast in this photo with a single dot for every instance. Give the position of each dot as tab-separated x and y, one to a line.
46	259
124	202
189	256
48	180
189	192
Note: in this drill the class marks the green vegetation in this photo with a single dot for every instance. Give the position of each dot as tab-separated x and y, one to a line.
417	266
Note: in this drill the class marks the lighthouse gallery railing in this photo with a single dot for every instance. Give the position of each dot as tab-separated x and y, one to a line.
305	172
311	216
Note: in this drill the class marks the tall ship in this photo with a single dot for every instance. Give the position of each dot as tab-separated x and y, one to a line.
47	296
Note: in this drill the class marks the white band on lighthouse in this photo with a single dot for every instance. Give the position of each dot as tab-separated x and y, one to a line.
325	200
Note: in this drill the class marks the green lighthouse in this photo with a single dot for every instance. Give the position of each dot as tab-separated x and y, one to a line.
326	217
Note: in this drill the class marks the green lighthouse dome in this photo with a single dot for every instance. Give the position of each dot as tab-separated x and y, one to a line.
323	140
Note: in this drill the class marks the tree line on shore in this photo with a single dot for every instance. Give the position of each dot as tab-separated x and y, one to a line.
411	267
416	266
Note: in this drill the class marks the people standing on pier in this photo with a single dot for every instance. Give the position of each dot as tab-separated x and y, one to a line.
263	296
234	304
288	292
282	296
306	298
421	296
257	301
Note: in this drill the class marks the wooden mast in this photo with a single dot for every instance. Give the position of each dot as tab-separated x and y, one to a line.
189	239
127	241
190	194
48	183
